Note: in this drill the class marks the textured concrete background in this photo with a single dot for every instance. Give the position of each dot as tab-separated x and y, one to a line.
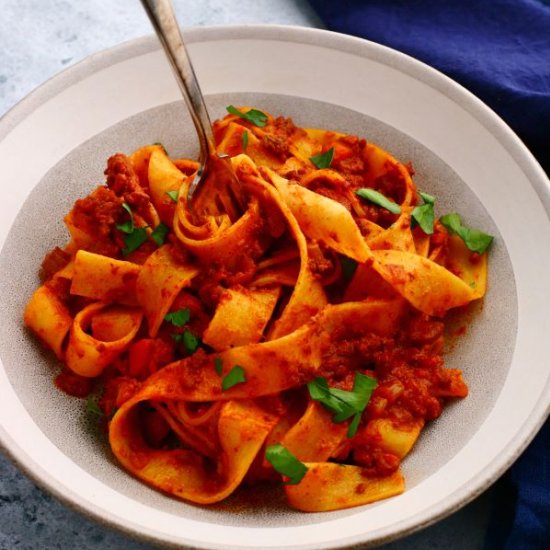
39	38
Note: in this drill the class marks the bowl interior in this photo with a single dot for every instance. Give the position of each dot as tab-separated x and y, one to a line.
39	227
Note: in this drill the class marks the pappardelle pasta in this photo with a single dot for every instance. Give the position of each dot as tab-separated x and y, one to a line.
290	331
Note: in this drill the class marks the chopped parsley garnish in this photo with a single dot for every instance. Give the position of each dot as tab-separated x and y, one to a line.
178	318
190	342
254	116
235	376
284	462
134	240
424	215
218	366
474	239
323	160
173	195
93	408
159	233
127	227
427	198
134	236
344	404
245	140
379	199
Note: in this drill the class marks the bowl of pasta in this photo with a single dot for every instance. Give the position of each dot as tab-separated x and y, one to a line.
350	351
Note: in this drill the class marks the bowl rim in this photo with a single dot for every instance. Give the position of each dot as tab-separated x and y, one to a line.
302	35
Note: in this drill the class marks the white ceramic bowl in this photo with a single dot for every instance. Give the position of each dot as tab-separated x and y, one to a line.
53	148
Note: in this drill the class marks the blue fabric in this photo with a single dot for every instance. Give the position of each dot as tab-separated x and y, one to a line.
500	51
521	515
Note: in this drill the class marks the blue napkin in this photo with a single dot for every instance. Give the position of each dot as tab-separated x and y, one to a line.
500	51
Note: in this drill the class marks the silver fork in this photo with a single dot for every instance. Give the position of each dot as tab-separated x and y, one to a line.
229	193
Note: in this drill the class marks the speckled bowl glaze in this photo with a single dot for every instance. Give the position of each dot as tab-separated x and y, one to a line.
53	148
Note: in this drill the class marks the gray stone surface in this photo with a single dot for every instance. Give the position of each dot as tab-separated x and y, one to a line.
39	38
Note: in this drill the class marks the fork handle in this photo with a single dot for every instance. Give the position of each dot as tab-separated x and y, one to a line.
164	21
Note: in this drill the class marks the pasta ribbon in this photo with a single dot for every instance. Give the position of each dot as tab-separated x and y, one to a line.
397	438
315	437
323	219
396	237
242	429
293	359
241	317
104	279
470	267
163	177
140	160
329	486
428	286
49	318
308	297
159	281
89	354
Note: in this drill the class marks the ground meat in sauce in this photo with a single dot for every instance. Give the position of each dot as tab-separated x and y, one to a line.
54	261
375	461
277	145
318	263
97	214
121	177
284	127
410	373
352	165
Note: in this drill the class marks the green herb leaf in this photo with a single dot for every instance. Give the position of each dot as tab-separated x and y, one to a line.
173	195
134	236
159	233
134	240
127	227
424	216
324	160
254	116
235	376
93	408
245	140
354	425
218	365
379	199
126	207
344	404
452	222
428	199
190	342
178	318
474	239
284	462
